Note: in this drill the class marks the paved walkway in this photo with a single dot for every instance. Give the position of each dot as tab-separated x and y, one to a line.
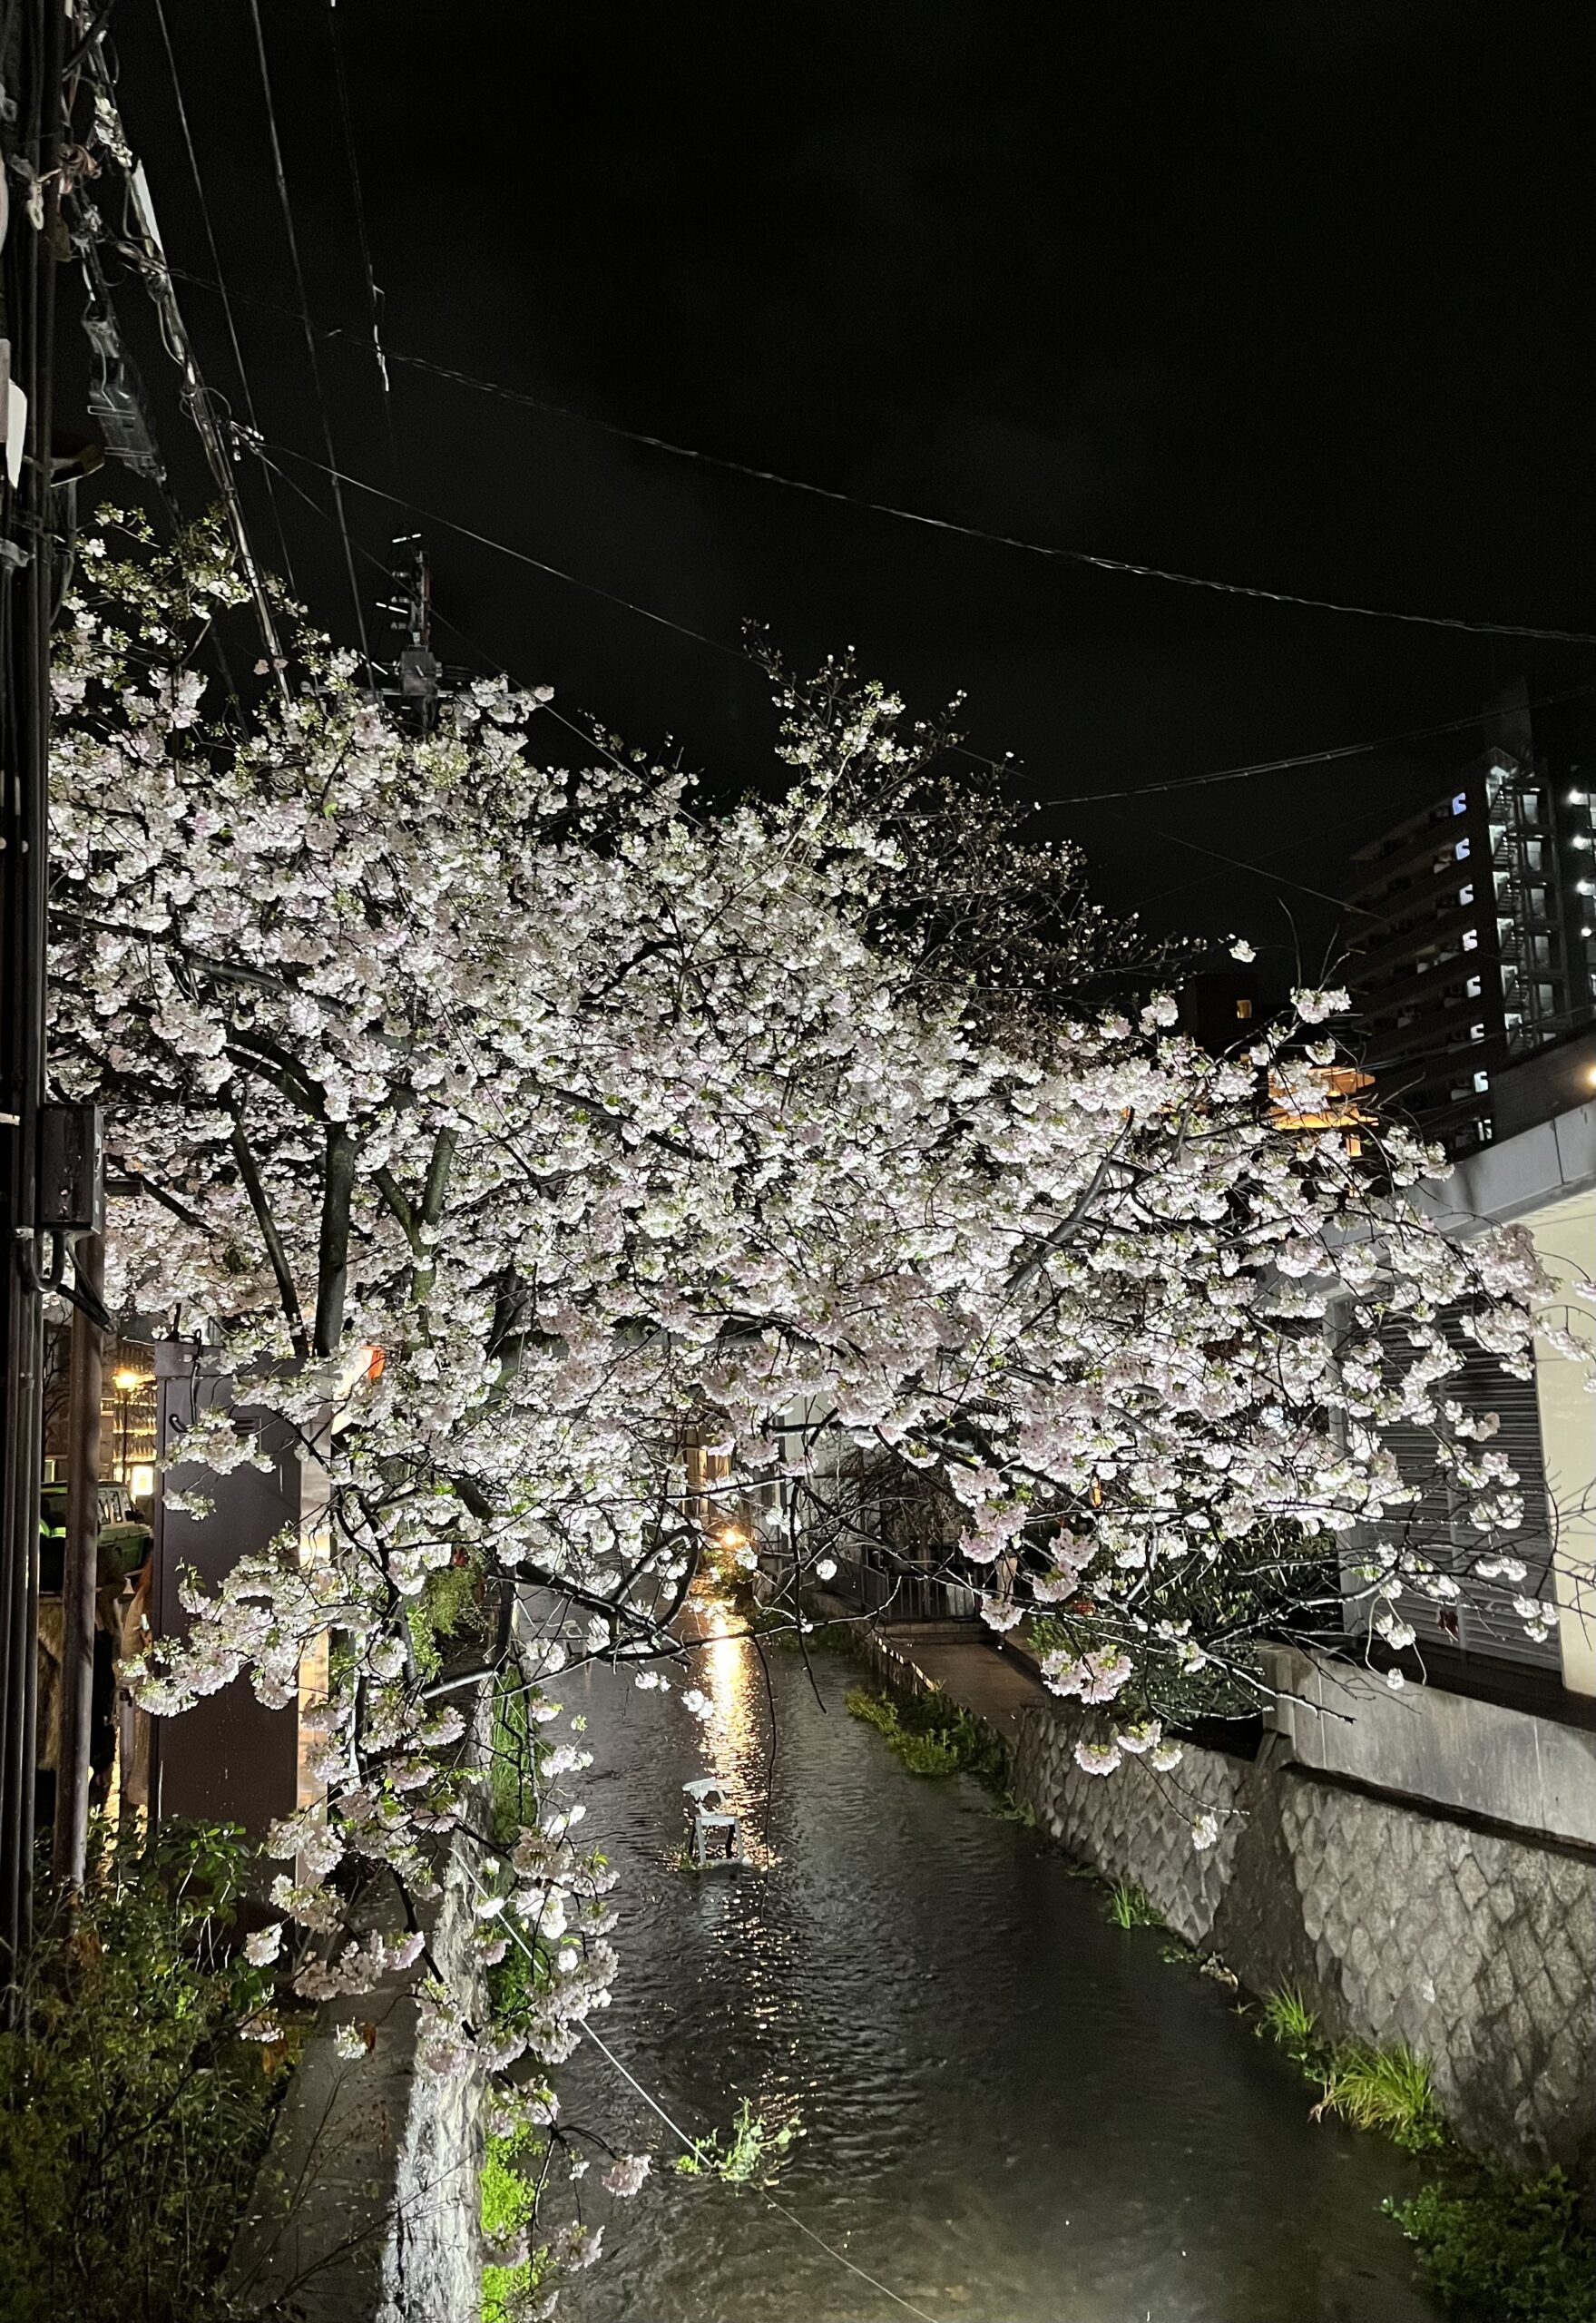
989	1684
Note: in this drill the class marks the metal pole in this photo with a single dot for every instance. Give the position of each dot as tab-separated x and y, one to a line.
31	297
77	1587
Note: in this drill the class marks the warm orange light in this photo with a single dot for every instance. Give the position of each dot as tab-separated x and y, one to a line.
127	1380
1342	1086
730	1538
374	1368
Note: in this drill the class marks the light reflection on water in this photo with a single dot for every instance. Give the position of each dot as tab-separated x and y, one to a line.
1012	2112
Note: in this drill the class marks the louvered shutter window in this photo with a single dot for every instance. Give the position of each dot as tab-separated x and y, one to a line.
1482	1619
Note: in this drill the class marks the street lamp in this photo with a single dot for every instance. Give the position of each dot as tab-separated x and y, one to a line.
124	1383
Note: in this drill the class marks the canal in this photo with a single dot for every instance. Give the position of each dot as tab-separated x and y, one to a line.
1012	2110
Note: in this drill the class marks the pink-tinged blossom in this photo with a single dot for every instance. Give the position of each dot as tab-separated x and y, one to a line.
662	1120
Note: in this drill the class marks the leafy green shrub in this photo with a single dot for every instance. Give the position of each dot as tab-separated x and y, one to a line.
1494	2247
932	1737
133	2114
1129	1906
927	1754
1503	2250
509	2211
509	1760
747	2154
447	1608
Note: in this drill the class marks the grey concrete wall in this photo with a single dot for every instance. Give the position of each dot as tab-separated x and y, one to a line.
1504	1766
368	2205
1475	1947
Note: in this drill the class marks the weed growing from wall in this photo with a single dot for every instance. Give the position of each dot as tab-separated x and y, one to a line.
1494	2247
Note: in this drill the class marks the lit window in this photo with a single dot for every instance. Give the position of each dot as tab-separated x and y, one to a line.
1243	1009
1471	941
1472	989
1482	1083
1461	851
1467	895
1476	1031
1460	805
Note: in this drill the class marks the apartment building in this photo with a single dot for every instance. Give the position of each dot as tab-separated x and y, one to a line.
1475	927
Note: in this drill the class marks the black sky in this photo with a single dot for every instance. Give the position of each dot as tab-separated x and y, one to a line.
1293	295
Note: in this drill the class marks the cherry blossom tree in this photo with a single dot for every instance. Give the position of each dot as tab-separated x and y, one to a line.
617	1123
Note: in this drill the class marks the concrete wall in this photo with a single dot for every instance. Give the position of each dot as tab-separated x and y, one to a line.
366	2209
1493	1764
1476	1947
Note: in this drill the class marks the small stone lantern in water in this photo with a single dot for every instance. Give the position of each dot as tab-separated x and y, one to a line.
717	1837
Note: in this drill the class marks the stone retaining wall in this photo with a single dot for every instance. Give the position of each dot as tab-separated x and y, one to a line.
366	2209
1477	1948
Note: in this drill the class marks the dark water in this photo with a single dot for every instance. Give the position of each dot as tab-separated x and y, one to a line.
1013	2110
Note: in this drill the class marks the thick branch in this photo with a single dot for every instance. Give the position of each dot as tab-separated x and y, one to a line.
332	1272
272	1237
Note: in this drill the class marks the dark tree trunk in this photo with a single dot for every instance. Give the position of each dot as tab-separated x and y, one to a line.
333	1268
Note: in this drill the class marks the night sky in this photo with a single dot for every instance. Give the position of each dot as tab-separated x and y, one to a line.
1293	295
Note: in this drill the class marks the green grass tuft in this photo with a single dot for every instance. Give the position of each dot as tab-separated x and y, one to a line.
509	2208
1129	1906
1391	2090
1292	2026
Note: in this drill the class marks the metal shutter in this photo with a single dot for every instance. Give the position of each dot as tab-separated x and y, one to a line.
1482	1620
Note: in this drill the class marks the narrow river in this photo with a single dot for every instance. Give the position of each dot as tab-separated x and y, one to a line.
1012	2112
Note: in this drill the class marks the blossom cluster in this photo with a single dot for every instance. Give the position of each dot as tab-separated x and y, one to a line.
507	1128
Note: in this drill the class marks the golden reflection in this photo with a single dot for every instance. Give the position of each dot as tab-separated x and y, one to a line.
731	1737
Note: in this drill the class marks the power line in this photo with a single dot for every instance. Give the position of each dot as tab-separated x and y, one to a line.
1276	879
1309	839
309	329
372	293
1313	757
150	253
227	304
965	531
521	557
485	540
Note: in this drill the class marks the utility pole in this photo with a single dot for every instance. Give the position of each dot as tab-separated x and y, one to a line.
30	136
414	676
80	1568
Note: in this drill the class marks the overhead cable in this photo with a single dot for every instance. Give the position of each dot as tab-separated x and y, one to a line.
485	540
372	293
150	254
262	452
227	304
968	531
310	331
1276	879
1314	757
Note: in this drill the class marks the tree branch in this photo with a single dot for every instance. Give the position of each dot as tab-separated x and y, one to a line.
272	1237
